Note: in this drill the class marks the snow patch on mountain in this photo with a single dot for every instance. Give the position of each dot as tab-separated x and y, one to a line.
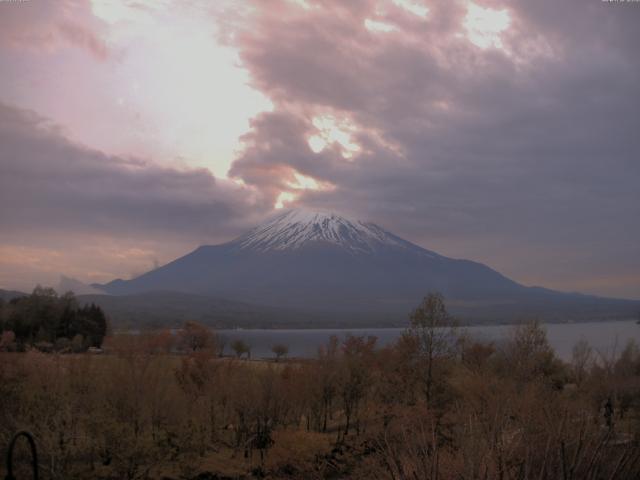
294	229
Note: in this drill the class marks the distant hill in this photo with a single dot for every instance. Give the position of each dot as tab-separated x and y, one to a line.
341	268
171	309
7	295
68	284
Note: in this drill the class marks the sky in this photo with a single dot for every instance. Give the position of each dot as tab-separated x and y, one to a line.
506	132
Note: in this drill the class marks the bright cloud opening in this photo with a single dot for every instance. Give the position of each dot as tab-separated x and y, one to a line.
304	182
484	25
376	26
332	130
301	3
283	199
317	143
114	11
298	184
414	7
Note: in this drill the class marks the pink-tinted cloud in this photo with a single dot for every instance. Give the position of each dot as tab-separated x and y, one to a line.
83	38
46	25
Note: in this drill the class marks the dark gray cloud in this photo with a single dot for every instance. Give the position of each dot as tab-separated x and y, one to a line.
49	184
526	158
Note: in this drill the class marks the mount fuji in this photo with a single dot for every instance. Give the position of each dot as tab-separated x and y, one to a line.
324	262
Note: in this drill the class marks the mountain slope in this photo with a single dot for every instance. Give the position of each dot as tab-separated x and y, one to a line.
331	263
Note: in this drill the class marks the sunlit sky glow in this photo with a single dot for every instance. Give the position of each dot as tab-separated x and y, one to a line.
484	25
417	8
134	130
332	131
376	26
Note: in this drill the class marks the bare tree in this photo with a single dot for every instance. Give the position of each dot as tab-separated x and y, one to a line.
240	347
194	337
529	355
581	360
327	377
356	376
434	331
280	350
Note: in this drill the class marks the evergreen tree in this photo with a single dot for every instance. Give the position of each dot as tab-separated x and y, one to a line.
45	317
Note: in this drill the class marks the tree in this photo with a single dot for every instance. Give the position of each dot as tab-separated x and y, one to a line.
581	359
77	343
97	328
529	355
280	350
434	332
356	376
160	341
321	379
195	336
240	348
67	321
7	341
45	317
3	313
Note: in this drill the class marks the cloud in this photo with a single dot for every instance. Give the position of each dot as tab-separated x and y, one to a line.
83	38
46	25
513	143
518	152
61	201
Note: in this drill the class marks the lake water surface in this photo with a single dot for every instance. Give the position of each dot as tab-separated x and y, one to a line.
608	338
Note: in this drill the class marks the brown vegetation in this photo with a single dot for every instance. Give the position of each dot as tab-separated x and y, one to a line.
435	405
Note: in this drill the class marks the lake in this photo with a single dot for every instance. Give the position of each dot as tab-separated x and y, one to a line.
608	338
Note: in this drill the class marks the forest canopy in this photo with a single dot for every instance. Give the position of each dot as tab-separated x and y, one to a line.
49	321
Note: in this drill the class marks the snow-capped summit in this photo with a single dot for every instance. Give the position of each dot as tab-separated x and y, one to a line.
294	229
